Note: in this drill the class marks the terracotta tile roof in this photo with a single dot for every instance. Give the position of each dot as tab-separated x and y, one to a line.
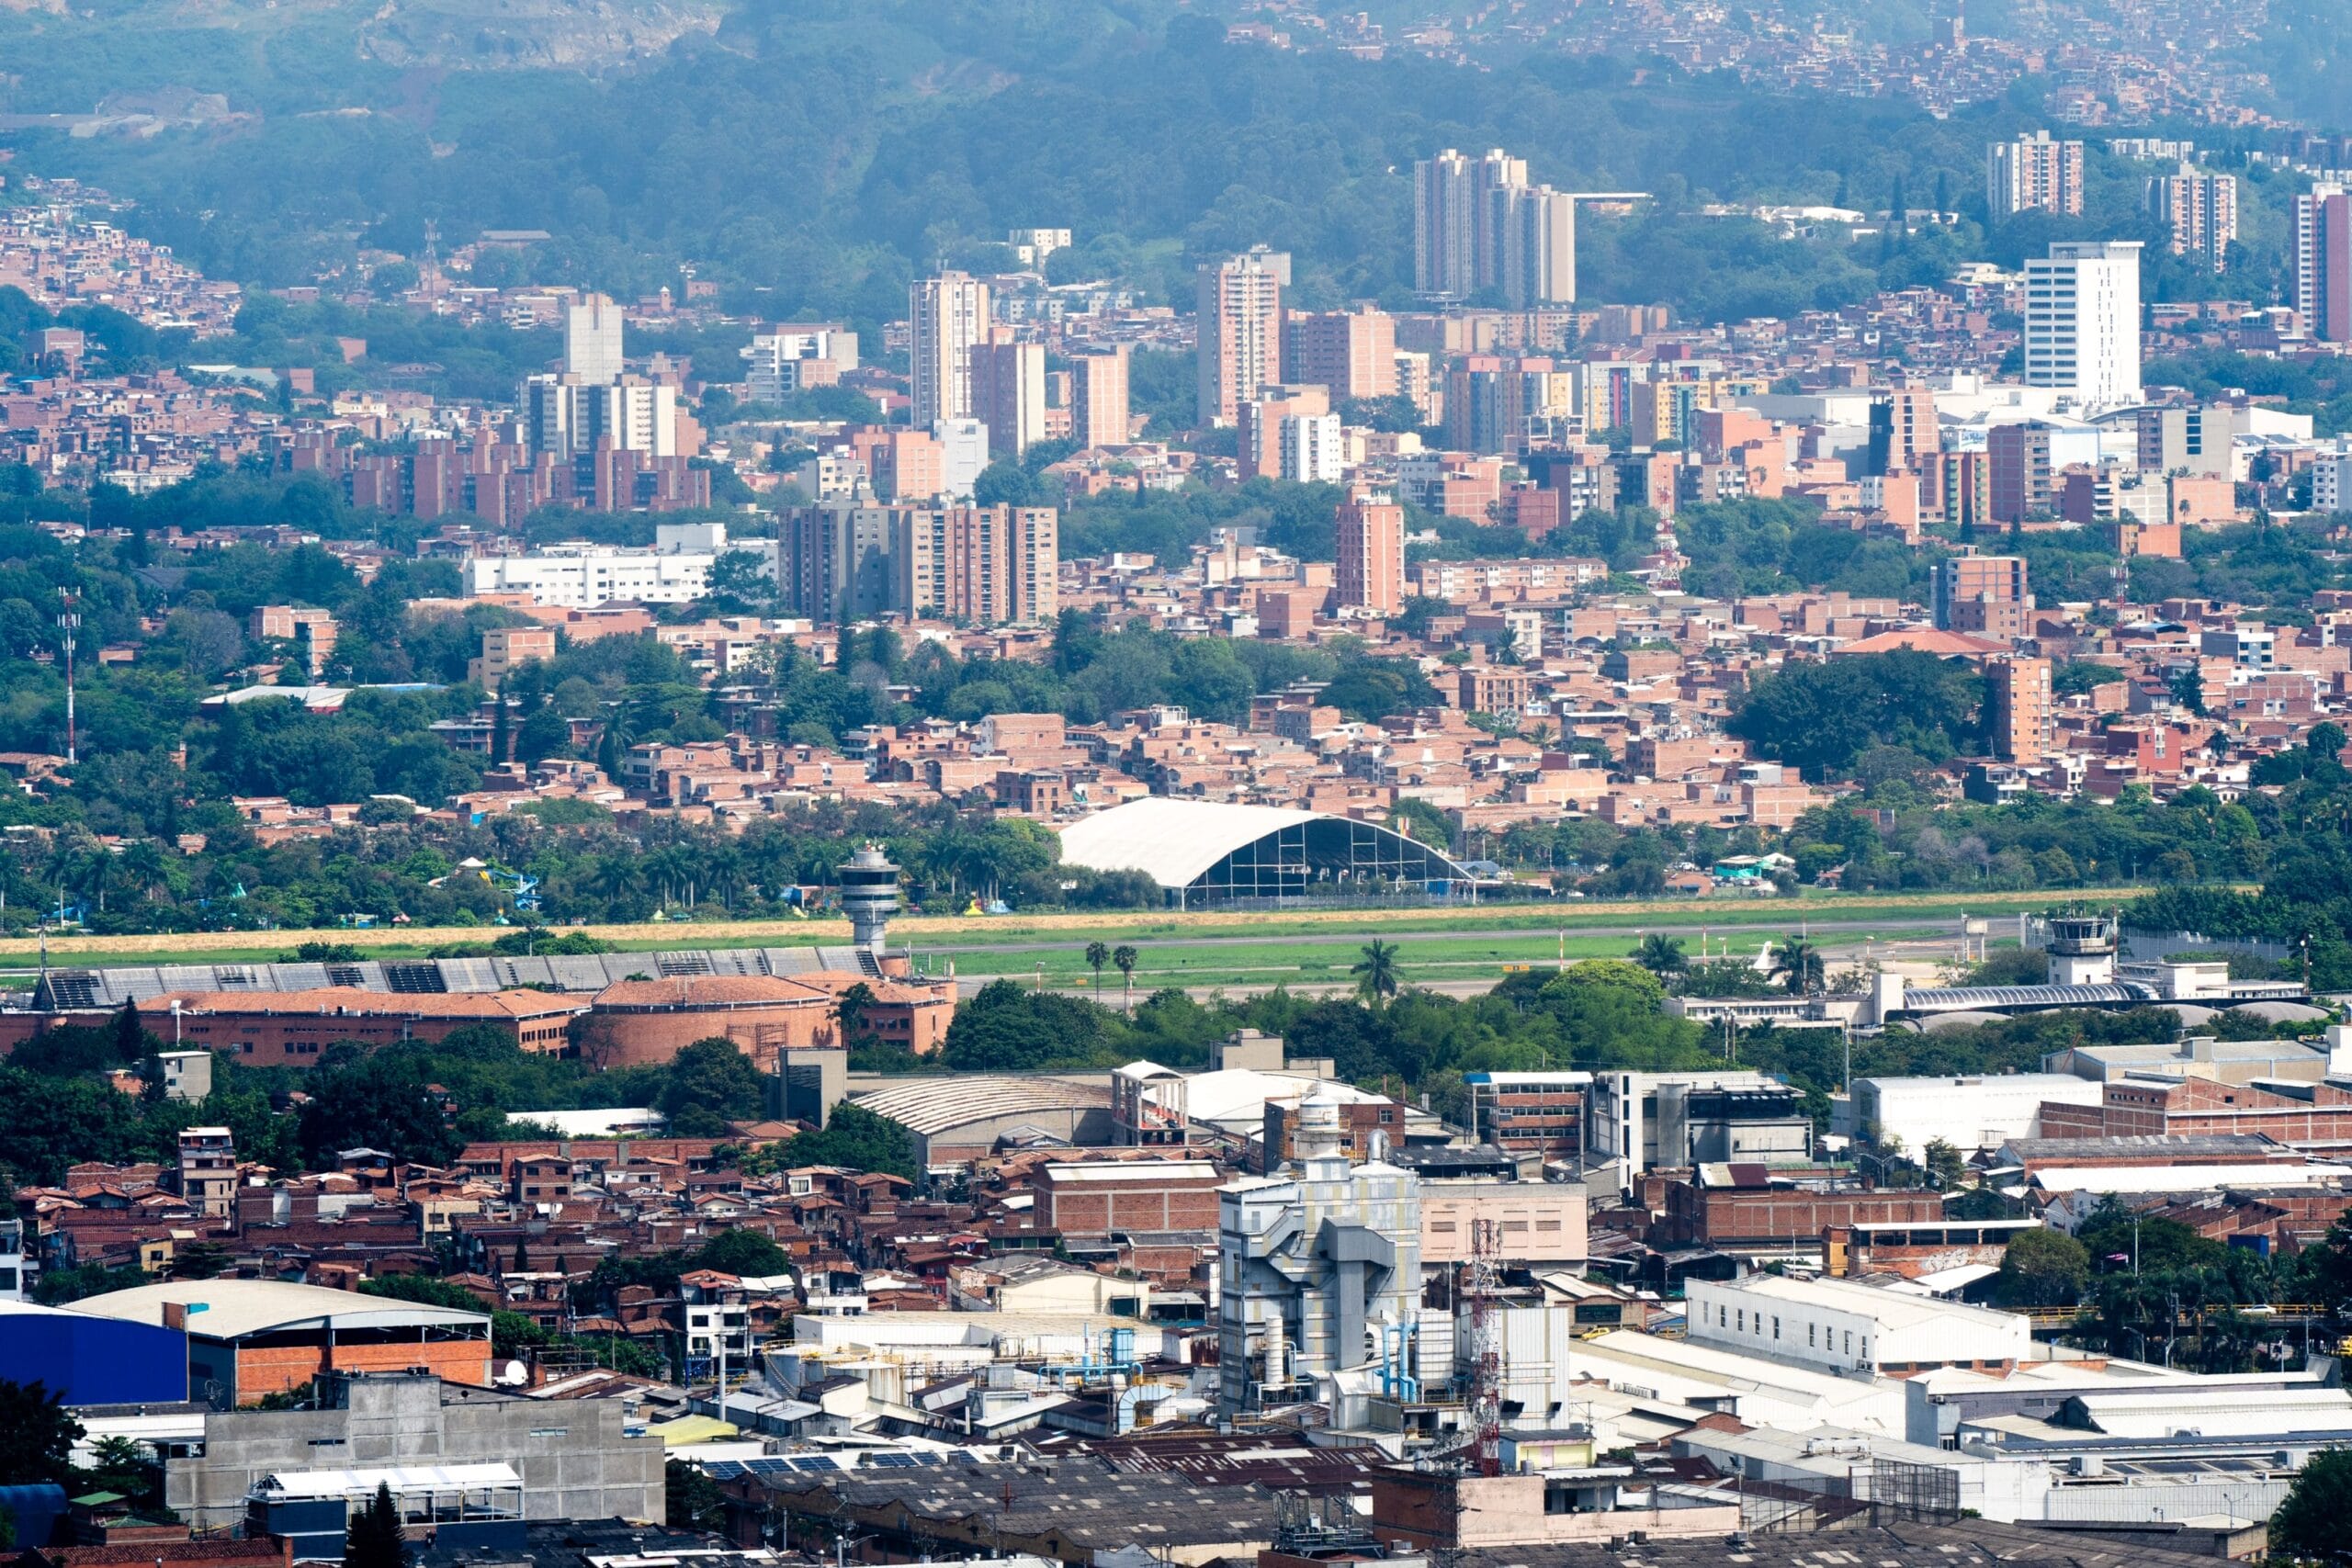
710	990
351	1002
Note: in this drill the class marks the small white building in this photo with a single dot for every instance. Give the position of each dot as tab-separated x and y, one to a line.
1845	1326
1972	1114
582	576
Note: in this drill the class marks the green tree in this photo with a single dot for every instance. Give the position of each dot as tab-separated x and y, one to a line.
709	1084
1008	1028
381	1102
1944	1163
37	1435
693	1499
1660	953
2043	1269
1797	965
2314	1523
1098	954
543	735
850	1009
853	1138
743	1252
1375	973
375	1537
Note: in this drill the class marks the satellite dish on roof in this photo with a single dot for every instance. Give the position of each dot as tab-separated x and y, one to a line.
511	1375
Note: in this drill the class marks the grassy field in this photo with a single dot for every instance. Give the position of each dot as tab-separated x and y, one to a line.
963	935
1422	958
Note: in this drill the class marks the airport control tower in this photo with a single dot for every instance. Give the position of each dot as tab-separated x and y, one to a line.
869	885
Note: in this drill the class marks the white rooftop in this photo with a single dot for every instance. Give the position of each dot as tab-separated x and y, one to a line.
230	1309
399	1478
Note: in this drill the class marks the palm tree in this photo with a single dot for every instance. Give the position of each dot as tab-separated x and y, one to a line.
1798	967
1097	956
1376	974
1661	954
1124	958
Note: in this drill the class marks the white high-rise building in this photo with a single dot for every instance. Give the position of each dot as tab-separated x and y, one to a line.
591	341
1312	448
1457	232
564	417
963	453
947	315
793	358
2082	321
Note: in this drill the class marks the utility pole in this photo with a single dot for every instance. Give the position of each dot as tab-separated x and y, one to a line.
69	621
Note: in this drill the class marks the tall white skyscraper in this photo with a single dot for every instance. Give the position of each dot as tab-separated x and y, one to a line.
948	314
1535	244
2082	321
592	342
1444	217
1458	220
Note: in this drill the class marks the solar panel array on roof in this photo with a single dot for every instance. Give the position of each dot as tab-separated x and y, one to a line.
91	989
723	1470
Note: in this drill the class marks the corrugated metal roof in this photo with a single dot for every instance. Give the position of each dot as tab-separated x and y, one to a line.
934	1105
1994	999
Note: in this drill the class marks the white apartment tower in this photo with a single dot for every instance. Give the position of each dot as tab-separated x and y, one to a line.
591	341
947	314
2082	321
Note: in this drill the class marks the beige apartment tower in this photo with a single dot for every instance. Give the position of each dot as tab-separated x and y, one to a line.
948	315
1371	575
1349	354
1240	323
2033	174
2023	727
1097	396
2200	211
1009	392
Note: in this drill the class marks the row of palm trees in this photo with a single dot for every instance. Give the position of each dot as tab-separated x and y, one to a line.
1797	963
1123	958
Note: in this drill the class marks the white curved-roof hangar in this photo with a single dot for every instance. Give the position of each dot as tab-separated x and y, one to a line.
1175	842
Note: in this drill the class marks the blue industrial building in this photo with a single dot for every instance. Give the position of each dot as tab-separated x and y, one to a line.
89	1359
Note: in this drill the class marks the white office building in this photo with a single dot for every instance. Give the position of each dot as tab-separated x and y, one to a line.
778	364
1848	1328
591	341
2082	321
2332	479
963	453
1312	448
1971	1113
582	576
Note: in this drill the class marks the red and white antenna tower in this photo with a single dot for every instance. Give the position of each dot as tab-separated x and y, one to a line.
1485	1348
69	621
